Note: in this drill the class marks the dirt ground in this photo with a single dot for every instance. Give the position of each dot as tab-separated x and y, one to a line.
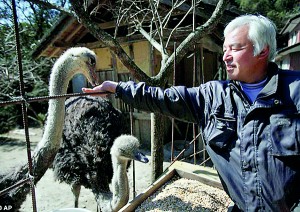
52	195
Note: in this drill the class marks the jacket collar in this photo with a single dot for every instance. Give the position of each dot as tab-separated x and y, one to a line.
272	84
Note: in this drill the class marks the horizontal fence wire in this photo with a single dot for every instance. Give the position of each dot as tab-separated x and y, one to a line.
20	100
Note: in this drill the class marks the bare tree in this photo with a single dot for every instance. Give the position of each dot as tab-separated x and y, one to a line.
140	14
159	37
152	20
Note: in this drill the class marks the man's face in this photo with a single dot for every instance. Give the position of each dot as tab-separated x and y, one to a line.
241	64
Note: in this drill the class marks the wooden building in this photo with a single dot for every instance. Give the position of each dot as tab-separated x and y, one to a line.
288	55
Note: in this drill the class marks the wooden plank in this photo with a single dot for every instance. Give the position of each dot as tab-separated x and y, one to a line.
202	174
132	205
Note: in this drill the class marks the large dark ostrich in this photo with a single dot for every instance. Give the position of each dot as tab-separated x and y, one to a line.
91	126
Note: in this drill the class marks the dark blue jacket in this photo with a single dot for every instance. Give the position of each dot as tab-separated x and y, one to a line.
255	147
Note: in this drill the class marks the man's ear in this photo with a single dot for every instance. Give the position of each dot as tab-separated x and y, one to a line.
264	53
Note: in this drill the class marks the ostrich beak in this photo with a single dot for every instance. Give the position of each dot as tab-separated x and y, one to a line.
92	64
92	74
141	157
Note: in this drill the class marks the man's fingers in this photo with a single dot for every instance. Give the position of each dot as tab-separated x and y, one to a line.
88	90
94	92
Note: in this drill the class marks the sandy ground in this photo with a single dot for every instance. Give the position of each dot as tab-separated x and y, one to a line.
52	195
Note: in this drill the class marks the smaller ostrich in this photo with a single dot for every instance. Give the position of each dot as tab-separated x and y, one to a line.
124	149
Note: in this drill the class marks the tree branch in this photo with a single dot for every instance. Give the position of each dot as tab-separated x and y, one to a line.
109	41
51	6
192	39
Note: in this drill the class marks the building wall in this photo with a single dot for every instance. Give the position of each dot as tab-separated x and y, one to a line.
140	51
104	59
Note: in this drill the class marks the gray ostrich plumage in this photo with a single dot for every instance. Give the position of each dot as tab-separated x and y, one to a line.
91	126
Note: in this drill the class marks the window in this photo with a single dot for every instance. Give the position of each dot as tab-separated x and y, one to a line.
294	38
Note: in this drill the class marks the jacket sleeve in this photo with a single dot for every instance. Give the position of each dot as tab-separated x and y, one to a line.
186	104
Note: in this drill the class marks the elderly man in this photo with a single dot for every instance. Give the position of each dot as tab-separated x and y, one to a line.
250	123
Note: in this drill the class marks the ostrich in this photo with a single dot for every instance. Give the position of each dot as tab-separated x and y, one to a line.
124	149
91	125
73	61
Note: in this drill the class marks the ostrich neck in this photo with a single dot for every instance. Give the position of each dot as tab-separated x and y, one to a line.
120	189
120	185
56	111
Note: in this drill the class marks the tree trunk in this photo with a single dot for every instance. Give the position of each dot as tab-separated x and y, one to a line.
157	144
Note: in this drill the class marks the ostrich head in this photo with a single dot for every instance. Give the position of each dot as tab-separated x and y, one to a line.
73	61
125	148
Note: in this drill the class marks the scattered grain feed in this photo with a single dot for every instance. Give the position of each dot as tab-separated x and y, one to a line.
181	194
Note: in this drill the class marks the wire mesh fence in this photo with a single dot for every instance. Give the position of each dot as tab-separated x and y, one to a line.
24	101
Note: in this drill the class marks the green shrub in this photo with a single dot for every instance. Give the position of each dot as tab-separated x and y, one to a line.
8	118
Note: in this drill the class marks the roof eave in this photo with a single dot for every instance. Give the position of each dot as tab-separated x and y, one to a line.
50	37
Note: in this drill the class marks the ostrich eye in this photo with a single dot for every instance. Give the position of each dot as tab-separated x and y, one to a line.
92	60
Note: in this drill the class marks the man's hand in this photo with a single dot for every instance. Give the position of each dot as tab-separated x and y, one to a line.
106	87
